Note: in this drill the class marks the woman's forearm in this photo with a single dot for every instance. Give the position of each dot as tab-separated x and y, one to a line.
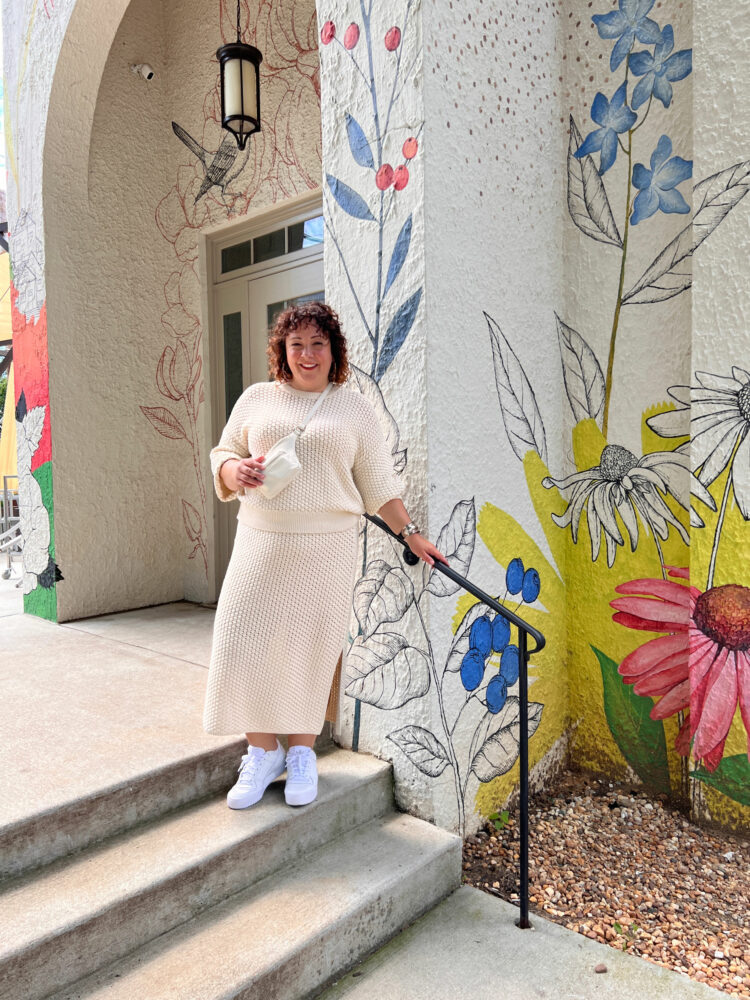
394	514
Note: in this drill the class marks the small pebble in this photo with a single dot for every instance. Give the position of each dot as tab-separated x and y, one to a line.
601	967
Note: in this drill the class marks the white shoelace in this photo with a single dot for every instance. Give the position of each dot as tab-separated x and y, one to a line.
249	766
299	766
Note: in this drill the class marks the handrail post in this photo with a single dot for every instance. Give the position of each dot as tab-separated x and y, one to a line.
523	761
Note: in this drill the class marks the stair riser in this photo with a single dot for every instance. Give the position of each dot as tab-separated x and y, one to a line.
107	936
71	828
345	943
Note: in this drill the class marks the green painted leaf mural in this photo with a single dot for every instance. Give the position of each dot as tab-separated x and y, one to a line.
639	738
731	778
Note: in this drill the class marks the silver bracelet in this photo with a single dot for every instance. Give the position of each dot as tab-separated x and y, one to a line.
409	529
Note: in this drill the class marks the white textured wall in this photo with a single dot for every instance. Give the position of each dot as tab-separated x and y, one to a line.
125	285
492	245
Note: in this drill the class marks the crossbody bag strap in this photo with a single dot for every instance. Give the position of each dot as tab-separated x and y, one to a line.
311	414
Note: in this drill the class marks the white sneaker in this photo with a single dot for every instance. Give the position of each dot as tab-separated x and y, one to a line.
301	776
258	769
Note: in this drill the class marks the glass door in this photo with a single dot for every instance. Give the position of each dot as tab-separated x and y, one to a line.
245	310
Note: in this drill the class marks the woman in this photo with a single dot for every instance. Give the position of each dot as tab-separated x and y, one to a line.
285	603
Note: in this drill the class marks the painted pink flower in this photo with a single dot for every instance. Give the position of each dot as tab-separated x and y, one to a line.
328	33
393	39
719	668
703	662
351	36
409	149
400	178
384	177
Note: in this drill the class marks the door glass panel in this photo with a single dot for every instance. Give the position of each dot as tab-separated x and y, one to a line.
274	308
232	359
237	256
305	234
269	245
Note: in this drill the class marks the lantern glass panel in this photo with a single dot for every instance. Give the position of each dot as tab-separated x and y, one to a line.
240	93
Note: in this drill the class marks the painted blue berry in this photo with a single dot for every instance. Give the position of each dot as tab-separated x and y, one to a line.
531	586
497	693
500	633
509	664
480	636
514	576
472	669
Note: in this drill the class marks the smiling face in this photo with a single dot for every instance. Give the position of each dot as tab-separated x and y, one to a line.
309	356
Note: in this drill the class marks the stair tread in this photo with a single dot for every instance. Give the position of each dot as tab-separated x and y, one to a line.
261	928
49	901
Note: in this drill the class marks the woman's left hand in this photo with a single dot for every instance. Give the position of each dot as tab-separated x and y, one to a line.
424	548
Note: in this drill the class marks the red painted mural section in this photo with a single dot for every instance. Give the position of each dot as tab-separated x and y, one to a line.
32	370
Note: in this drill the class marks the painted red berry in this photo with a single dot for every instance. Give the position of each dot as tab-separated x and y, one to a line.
351	36
384	177
328	33
410	148
393	38
400	178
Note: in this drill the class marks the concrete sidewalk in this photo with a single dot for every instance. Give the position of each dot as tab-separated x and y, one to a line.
469	948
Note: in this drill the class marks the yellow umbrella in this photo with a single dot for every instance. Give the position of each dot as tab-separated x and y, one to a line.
8	466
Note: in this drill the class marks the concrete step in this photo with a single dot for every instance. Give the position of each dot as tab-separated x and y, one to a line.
290	934
62	922
41	837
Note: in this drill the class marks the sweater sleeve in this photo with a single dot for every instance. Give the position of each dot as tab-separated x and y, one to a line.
373	471
233	444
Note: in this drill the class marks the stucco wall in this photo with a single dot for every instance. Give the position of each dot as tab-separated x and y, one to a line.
127	302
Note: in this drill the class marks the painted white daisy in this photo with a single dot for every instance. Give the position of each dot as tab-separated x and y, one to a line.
629	486
719	422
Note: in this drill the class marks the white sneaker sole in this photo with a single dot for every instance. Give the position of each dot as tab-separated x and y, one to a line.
257	795
301	798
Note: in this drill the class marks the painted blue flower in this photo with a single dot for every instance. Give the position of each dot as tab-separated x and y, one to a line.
614	116
500	633
627	24
472	669
657	185
497	693
480	636
660	70
514	576
531	586
510	664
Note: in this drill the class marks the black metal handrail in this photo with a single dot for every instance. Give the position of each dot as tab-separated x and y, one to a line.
524	630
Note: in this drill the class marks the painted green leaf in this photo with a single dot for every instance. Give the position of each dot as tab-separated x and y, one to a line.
639	737
731	778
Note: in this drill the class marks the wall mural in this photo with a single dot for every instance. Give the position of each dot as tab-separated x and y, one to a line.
221	182
618	526
29	317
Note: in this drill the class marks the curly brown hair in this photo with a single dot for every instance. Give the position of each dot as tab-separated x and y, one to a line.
326	320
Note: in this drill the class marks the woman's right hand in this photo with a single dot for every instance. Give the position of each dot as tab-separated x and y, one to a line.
245	473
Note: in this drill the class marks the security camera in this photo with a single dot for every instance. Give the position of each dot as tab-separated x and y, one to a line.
144	70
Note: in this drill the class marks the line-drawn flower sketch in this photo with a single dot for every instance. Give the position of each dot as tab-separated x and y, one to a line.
717	415
385	671
629	486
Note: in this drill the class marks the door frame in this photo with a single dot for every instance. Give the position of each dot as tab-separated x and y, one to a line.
211	240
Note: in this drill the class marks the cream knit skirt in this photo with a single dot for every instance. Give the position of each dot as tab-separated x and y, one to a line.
281	623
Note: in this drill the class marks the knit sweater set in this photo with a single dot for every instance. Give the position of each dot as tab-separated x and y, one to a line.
285	603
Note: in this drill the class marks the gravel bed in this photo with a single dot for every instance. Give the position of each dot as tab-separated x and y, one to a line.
613	863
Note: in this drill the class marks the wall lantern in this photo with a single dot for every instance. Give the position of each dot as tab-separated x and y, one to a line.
239	65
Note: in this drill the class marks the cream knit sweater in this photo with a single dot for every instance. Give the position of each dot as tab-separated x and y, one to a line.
346	463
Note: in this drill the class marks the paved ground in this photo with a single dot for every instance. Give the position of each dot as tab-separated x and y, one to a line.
469	948
86	705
